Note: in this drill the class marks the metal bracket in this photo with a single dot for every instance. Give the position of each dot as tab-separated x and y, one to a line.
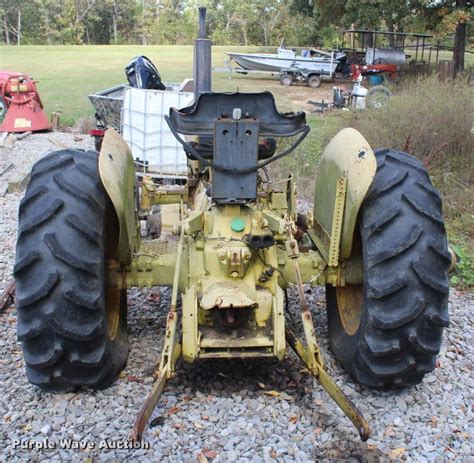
169	357
312	358
7	297
337	222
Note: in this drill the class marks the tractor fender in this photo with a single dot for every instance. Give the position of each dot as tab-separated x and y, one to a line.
117	173
347	159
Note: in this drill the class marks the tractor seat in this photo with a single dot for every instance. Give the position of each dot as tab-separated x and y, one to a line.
200	117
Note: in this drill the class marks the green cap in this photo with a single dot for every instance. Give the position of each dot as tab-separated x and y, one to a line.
237	224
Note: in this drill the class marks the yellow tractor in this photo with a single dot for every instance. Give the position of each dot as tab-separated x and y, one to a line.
375	240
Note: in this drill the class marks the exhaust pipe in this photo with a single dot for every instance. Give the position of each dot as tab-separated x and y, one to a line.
202	58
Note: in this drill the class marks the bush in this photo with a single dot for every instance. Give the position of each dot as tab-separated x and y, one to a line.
431	120
434	122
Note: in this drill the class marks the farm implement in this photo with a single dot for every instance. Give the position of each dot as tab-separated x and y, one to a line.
20	104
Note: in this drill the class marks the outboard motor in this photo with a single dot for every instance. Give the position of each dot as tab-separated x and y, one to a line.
142	73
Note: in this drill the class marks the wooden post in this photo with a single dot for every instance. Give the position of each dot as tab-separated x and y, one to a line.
55	116
445	70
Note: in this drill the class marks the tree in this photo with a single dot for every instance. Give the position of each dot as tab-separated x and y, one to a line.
447	18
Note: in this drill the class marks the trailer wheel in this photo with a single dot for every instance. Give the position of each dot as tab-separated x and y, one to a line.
72	326
387	332
286	79
377	97
314	81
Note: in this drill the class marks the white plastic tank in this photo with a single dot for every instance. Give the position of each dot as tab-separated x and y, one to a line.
148	134
384	56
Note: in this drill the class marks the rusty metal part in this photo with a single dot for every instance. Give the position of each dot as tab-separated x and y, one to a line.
336	230
349	302
7	298
346	405
169	357
312	358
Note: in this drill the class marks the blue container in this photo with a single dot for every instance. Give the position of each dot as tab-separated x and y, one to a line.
376	80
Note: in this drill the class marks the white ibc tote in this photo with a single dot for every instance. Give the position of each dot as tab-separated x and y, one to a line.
147	133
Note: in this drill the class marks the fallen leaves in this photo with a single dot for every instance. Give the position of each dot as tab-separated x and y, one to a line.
293	419
134	379
173	410
209	453
27	428
397	453
205	455
272	393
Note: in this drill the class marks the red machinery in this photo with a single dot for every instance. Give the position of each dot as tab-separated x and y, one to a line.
374	69
23	106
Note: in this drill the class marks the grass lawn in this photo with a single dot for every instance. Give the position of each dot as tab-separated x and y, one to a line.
67	74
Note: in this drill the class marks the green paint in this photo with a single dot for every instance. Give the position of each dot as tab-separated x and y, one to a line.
237	224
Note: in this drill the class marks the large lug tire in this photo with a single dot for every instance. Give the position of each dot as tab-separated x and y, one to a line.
388	331
71	325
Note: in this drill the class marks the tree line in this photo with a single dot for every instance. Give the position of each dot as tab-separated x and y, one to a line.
231	22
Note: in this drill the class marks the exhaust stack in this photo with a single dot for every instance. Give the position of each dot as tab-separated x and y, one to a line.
202	58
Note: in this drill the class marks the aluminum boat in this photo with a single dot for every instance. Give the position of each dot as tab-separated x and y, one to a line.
285	58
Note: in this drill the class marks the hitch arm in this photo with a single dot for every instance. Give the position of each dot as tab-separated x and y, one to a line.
169	357
317	370
311	356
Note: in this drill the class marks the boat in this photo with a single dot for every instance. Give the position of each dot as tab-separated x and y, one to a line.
315	60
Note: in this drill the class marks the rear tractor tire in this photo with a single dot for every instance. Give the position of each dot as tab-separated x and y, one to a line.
387	332
71	325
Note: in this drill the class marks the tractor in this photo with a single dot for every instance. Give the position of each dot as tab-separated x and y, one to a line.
375	240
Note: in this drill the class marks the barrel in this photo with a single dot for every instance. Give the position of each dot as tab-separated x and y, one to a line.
376	80
384	56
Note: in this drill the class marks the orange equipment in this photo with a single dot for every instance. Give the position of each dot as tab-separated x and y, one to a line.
24	109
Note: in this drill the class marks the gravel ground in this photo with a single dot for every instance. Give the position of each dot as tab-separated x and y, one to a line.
228	411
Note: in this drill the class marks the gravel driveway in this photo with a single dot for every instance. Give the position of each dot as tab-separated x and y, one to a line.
227	411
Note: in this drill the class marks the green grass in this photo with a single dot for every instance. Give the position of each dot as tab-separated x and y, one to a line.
67	74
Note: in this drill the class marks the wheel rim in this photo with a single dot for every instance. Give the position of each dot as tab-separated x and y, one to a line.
379	100
314	82
113	294
112	299
349	302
